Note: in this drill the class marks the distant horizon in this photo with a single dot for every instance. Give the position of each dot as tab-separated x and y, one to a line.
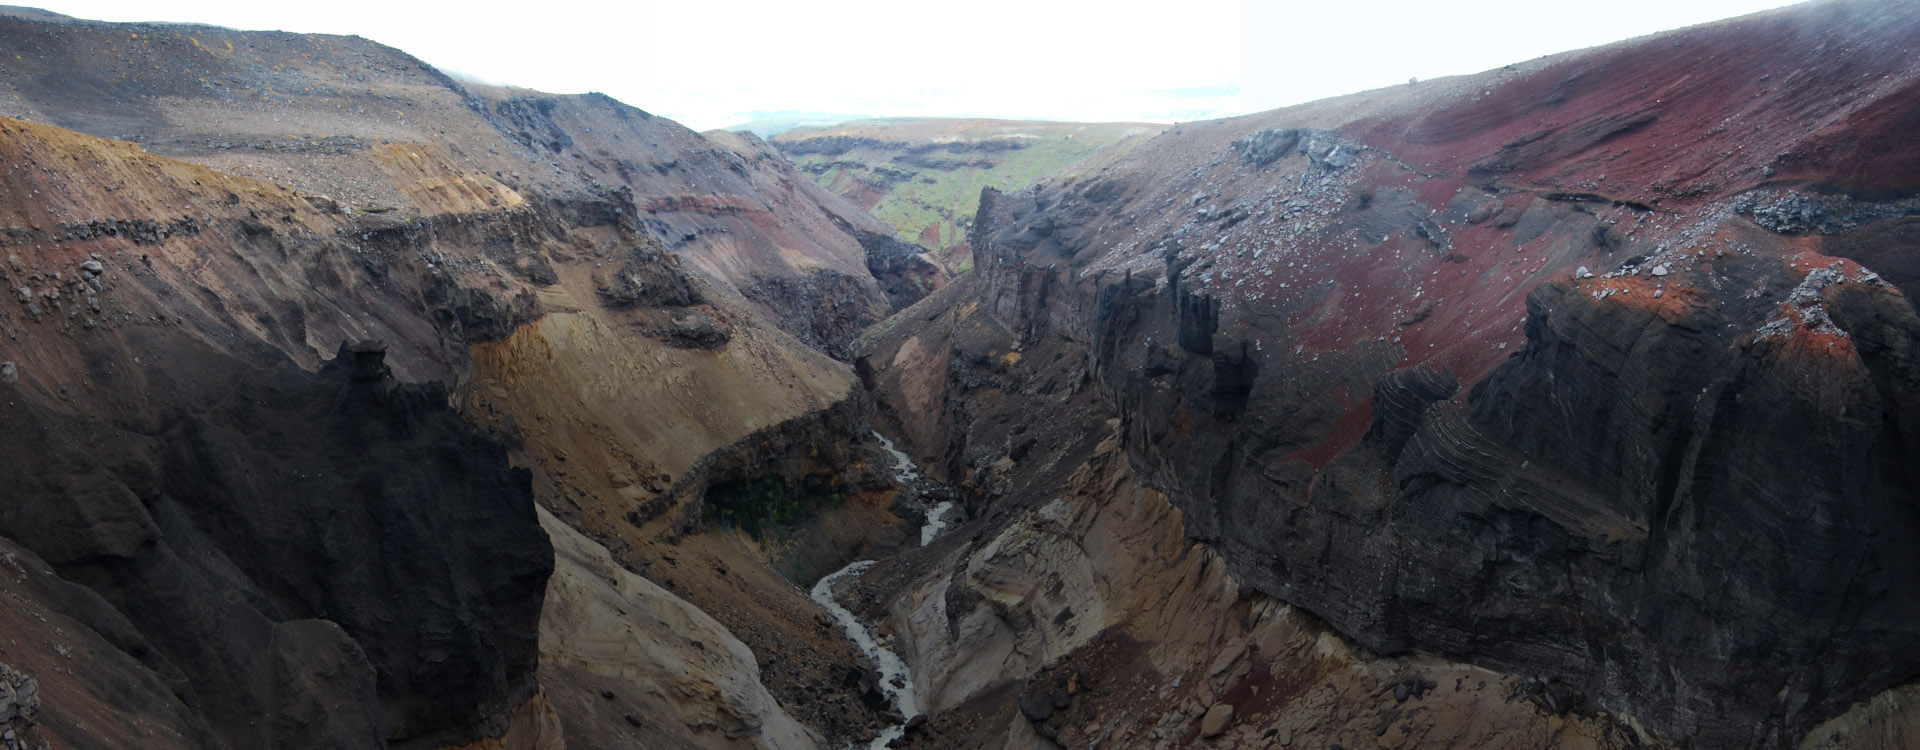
720	67
832	121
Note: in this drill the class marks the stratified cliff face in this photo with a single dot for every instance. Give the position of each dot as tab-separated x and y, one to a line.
1570	369
298	558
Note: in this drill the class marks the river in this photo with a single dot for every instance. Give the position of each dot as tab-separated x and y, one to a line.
895	680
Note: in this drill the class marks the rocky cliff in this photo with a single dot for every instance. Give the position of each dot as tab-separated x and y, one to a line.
1570	370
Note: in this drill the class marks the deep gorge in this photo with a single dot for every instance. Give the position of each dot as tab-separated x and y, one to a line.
1570	404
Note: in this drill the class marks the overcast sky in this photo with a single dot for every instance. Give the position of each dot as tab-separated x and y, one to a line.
712	64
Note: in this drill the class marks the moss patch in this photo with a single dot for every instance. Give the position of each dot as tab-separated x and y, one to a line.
763	505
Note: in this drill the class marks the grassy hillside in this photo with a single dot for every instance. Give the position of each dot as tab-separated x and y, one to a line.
924	176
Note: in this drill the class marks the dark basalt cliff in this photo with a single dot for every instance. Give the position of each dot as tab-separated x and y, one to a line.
305	555
1558	401
1669	511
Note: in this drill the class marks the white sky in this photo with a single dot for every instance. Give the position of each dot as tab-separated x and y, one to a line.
710	64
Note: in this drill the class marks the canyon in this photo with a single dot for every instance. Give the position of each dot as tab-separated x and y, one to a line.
1570	404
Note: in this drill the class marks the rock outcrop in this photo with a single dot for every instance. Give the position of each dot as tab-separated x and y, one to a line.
625	678
19	706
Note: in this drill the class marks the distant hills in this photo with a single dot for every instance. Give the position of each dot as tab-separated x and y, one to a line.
768	124
924	175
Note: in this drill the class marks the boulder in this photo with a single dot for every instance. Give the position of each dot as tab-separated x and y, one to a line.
1215	722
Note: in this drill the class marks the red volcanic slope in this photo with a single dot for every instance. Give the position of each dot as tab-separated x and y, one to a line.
1702	113
1665	385
1634	151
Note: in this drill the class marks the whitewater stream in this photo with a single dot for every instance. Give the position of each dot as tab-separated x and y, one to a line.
895	681
905	472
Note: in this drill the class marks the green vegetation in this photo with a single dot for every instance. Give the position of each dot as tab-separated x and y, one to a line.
782	517
933	205
763	504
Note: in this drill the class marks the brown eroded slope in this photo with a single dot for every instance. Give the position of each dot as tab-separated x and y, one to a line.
634	309
157	314
562	323
378	131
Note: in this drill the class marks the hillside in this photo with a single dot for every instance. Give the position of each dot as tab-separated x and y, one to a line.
923	176
770	124
1596	371
383	134
309	270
